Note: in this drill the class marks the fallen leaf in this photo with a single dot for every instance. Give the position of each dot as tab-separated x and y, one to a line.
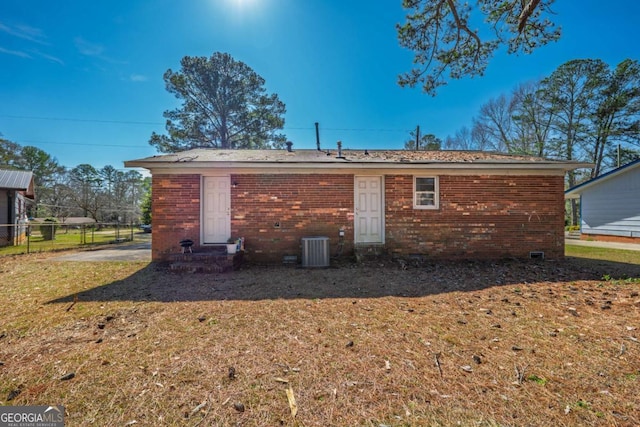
13	394
197	408
68	376
292	402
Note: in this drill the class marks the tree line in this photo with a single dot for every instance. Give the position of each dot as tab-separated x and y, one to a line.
105	194
584	111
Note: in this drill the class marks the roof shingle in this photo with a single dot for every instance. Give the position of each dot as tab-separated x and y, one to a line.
397	157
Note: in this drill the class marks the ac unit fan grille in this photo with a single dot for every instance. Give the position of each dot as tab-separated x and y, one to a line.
315	252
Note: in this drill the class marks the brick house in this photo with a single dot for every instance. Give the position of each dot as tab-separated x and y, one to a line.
440	204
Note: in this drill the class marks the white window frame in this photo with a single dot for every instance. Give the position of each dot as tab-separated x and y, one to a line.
436	193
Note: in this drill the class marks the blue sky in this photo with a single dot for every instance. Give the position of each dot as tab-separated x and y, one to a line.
82	80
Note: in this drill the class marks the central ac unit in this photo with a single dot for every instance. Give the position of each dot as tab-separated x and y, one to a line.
315	252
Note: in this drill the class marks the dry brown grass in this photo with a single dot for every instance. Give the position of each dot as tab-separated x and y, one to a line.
482	344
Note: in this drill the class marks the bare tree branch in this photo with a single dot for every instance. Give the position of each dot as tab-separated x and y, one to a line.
526	13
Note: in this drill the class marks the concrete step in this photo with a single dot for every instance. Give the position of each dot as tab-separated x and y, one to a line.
195	267
206	262
366	251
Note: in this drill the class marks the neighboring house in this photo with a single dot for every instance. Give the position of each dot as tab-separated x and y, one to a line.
440	204
16	193
610	205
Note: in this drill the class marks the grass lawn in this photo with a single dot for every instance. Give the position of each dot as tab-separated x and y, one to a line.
589	252
475	343
67	239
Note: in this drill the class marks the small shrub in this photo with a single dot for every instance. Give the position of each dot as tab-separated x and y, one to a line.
537	379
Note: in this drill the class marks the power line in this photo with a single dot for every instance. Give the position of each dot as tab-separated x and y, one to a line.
85	144
130	122
66	119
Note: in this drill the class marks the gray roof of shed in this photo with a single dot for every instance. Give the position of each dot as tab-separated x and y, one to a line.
256	158
15	179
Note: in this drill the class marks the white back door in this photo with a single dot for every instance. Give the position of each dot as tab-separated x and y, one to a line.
216	211
369	213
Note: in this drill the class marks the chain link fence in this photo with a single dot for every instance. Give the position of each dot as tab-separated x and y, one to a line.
51	236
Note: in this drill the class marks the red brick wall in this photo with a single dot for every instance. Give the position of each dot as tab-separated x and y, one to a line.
175	213
273	212
479	217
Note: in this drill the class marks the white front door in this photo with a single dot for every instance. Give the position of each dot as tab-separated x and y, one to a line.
216	211
369	213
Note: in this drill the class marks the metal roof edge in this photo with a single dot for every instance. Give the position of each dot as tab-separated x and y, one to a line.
15	179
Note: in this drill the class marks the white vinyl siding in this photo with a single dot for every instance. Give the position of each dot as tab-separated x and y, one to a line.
613	206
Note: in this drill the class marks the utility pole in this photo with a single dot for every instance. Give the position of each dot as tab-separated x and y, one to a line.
618	155
317	137
417	137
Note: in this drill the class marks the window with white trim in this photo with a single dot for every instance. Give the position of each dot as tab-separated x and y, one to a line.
425	192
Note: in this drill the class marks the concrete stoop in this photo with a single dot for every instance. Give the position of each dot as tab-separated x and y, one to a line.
215	260
369	251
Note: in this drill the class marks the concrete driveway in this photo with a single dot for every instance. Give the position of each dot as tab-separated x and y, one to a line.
138	250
